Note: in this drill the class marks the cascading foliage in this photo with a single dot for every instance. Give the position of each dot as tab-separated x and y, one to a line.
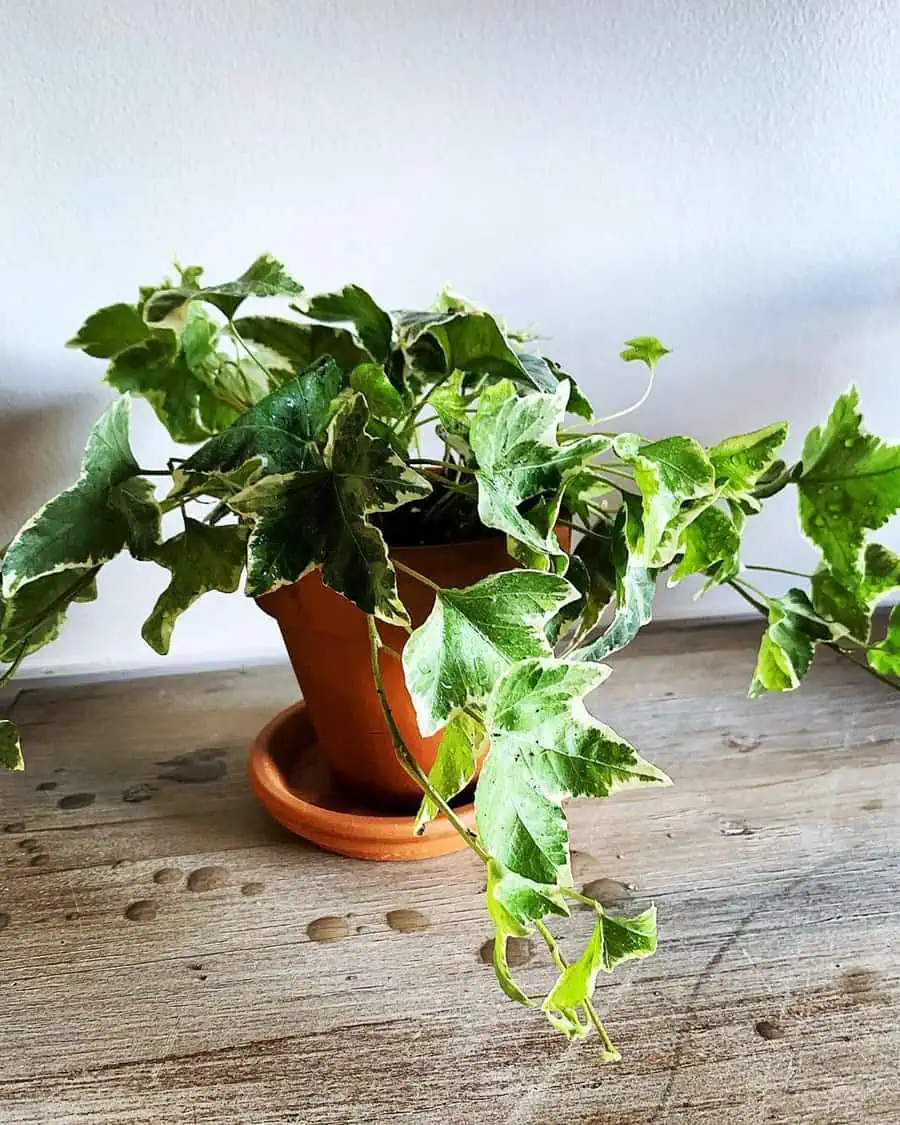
309	427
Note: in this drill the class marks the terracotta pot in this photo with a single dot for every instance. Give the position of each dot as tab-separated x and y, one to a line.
328	643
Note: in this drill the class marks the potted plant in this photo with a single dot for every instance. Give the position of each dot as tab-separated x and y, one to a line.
450	561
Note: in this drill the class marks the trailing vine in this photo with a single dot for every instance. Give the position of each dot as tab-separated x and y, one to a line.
332	432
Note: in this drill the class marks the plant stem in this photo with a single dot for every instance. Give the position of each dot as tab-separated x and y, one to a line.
634	406
415	574
404	755
441	464
154	472
865	667
609	1048
777	570
240	339
578	897
583	530
614	470
734	584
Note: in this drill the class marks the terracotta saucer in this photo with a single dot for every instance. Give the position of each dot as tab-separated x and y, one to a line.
293	783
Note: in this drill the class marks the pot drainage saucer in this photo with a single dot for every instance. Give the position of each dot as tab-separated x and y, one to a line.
293	783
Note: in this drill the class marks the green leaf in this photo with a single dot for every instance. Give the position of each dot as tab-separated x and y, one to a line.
266	277
318	516
646	349
669	473
593	572
613	940
454	767
711	544
282	433
564	1005
585	491
109	331
353	305
847	600
383	398
741	461
625	939
300	345
185	402
513	904
469	340
885	657
10	747
34	615
473	635
579	403
200	559
788	644
514	439
108	508
612	566
850	484
450	403
545	746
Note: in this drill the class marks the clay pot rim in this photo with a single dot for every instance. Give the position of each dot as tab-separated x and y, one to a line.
268	782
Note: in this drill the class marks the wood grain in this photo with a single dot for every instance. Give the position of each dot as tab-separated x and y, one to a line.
169	955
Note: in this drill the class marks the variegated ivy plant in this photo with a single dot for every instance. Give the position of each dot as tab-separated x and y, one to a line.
309	427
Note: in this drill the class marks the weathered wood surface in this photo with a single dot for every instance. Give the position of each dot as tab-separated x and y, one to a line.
155	963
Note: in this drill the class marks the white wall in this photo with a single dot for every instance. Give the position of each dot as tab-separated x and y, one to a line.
724	175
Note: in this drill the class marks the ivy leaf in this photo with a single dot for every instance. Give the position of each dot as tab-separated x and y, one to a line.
669	473
513	903
646	349
353	305
472	341
788	644
184	401
318	516
450	402
473	635
545	746
593	573
108	508
613	567
266	277
10	746
711	544
454	767
585	491
612	941
741	461
850	483
200	559
281	433
109	331
579	403
885	657
300	345
514	440
383	398
625	939
846	601
35	614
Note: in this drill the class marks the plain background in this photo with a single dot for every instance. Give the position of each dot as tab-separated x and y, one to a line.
723	175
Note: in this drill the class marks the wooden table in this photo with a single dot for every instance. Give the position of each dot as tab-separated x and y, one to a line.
156	963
